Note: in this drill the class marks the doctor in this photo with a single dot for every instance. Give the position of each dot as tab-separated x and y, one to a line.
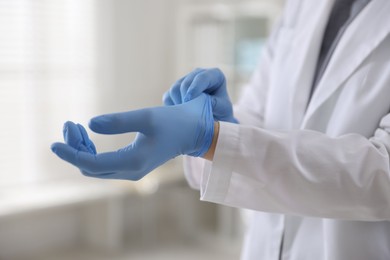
311	153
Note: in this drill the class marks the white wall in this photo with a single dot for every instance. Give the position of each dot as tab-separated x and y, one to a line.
136	51
138	47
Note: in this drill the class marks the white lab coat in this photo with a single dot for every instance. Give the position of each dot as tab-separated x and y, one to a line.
320	168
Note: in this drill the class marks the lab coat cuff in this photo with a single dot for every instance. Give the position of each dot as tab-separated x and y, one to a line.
216	176
193	167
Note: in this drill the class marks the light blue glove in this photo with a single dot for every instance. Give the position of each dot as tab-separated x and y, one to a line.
163	133
76	136
210	81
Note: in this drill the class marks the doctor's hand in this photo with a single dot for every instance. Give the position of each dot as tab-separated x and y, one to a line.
163	133
210	81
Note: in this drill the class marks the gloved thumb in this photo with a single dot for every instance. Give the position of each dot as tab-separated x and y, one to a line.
119	123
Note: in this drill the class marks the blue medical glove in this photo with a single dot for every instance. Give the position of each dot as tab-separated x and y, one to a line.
76	136
210	81
163	133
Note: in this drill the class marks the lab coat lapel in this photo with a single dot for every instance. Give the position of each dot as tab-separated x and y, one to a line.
362	36
305	56
300	44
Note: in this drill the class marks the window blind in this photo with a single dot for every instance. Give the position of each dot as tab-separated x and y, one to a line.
47	76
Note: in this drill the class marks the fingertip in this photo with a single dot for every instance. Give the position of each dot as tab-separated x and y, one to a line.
70	132
89	145
169	102
58	149
123	122
90	123
80	126
65	128
175	96
53	147
167	99
67	125
83	132
95	123
67	153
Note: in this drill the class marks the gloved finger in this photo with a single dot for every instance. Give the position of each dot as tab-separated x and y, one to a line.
67	153
119	123
175	92
186	83
72	135
86	141
175	95
208	81
222	110
99	164
167	100
76	136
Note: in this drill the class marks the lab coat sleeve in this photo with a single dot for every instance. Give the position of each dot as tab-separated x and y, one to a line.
248	110
193	167
301	172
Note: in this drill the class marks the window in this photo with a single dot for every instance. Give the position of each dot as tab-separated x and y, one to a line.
235	33
47	76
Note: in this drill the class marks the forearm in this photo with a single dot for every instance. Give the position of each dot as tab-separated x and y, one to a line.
210	153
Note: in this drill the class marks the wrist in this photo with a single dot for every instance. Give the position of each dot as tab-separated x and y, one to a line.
209	155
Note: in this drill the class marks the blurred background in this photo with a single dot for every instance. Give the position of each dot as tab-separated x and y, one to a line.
70	60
